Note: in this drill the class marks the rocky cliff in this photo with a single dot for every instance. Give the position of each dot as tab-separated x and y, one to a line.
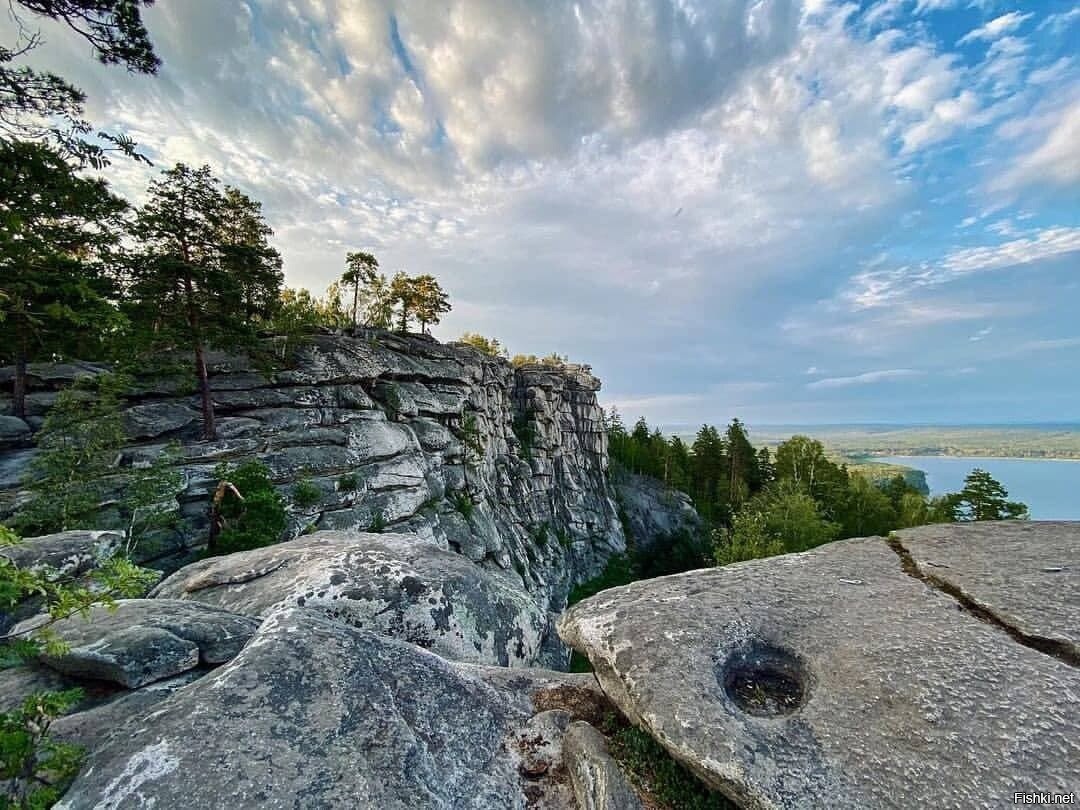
375	423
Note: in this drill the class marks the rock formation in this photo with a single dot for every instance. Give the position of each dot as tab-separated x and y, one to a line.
936	669
374	422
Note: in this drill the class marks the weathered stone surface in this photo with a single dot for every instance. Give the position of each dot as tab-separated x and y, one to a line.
315	714
394	584
68	553
1026	574
654	511
13	431
157	419
599	783
832	678
145	640
543	507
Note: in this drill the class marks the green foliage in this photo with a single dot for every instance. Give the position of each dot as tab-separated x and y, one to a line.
489	346
620	570
525	431
58	231
34	768
206	275
78	445
538	535
256	521
349	482
555	360
749	538
306	493
472	445
149	501
463	503
378	523
298	314
984	498
656	773
419	298
361	271
563	536
43	107
391	398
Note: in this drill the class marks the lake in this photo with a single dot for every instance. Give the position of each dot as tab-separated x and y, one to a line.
1050	487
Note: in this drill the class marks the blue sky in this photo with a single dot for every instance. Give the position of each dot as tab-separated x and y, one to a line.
790	212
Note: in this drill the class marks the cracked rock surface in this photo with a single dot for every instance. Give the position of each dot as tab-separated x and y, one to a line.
1025	574
316	714
834	678
145	640
397	585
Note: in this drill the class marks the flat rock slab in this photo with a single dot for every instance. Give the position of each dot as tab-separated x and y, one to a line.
398	585
1025	573
145	640
832	678
316	714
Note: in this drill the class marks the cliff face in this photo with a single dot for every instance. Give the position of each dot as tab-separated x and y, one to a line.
375	422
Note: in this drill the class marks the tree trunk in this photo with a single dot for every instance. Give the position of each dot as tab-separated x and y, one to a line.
19	393
209	428
355	303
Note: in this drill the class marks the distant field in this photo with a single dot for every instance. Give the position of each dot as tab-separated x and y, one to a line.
862	441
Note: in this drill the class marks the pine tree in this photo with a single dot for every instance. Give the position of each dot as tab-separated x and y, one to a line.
430	300
57	233
984	498
197	273
361	272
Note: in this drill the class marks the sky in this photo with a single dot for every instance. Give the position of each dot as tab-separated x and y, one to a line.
790	212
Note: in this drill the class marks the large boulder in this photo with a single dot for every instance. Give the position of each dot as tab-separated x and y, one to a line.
836	678
395	584
599	782
139	641
316	714
1019	573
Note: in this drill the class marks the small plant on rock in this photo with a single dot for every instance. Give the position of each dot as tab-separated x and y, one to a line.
463	503
349	482
378	523
306	493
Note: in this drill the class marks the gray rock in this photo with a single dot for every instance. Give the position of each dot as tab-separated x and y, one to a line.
157	419
13	431
654	510
832	678
19	683
599	783
145	640
314	714
70	554
1025	574
393	584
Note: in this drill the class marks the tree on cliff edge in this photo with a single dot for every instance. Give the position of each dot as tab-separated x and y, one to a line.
205	264
57	230
361	273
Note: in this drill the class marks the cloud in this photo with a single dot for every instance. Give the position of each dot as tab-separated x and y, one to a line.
982	333
1055	161
866	378
996	27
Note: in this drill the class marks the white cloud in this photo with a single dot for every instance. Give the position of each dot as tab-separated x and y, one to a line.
866	378
982	333
1054	161
996	27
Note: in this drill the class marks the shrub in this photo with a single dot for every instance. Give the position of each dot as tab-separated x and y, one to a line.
306	493
349	482
525	432
378	523
34	769
463	504
248	512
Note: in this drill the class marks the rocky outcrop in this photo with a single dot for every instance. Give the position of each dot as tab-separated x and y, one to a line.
393	584
861	673
316	714
653	512
375	423
137	641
